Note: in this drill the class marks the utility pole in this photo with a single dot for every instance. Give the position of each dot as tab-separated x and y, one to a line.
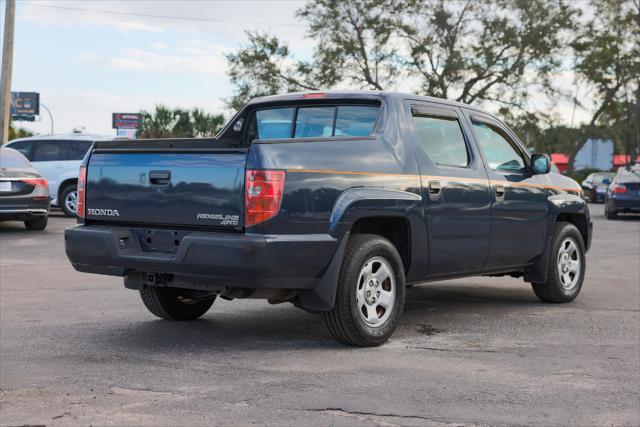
7	66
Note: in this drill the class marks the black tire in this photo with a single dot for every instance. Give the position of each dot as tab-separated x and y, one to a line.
175	303
37	224
344	321
71	188
553	290
610	214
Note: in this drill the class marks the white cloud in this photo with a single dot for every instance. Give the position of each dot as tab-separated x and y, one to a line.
184	59
52	14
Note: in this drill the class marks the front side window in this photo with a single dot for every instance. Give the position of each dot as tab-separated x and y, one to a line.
48	151
499	152
313	122
442	140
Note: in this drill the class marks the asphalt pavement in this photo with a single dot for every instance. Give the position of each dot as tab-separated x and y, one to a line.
79	349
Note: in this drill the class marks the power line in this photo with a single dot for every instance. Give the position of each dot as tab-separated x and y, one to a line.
176	18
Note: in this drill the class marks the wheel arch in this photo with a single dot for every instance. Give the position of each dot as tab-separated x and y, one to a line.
562	207
394	214
65	183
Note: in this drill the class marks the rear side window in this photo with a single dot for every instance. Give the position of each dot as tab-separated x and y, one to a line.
77	149
442	140
313	122
49	151
23	147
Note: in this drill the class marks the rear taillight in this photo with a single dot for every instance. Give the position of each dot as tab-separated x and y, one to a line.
618	189
263	195
82	178
36	182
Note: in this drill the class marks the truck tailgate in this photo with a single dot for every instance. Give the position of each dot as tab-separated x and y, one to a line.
172	187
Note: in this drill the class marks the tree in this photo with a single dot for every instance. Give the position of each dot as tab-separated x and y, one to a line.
178	123
18	132
466	50
608	60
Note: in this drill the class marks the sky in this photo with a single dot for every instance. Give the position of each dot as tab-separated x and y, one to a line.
91	58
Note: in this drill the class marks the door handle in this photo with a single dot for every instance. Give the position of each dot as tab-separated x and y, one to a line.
159	177
434	190
434	187
499	192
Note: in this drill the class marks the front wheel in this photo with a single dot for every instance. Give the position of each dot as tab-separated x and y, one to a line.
176	303
566	266
370	293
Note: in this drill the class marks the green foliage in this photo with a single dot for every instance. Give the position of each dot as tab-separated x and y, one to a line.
164	122
474	51
18	132
607	54
466	50
582	174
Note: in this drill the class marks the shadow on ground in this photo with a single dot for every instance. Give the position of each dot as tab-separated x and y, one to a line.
284	328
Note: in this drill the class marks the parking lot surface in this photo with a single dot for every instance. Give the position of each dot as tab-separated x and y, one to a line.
81	349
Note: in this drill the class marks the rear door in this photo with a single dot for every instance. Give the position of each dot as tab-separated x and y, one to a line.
519	198
455	190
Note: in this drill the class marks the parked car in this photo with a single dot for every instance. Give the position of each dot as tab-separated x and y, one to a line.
58	158
623	195
24	194
334	202
595	185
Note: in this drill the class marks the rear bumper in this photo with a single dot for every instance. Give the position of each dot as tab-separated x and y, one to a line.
23	208
626	204
209	258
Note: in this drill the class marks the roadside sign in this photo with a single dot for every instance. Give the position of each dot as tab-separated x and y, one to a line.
126	120
25	104
127	133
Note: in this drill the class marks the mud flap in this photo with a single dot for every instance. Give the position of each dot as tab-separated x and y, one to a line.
323	296
539	271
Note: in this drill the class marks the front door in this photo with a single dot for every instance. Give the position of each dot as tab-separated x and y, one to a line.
455	190
519	198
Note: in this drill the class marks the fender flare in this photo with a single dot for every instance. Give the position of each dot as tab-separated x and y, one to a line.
354	204
559	204
357	203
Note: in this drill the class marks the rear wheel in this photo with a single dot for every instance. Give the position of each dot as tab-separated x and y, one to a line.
37	224
68	200
610	214
566	266
175	303
370	293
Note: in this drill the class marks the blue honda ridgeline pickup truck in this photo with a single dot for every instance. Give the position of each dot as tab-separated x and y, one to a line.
332	201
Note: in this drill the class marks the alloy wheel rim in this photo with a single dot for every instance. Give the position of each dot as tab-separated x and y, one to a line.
569	263
376	292
71	201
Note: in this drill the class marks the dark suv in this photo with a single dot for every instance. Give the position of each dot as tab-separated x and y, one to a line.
332	201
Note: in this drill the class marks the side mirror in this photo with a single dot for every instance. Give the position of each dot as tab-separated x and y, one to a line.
540	164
